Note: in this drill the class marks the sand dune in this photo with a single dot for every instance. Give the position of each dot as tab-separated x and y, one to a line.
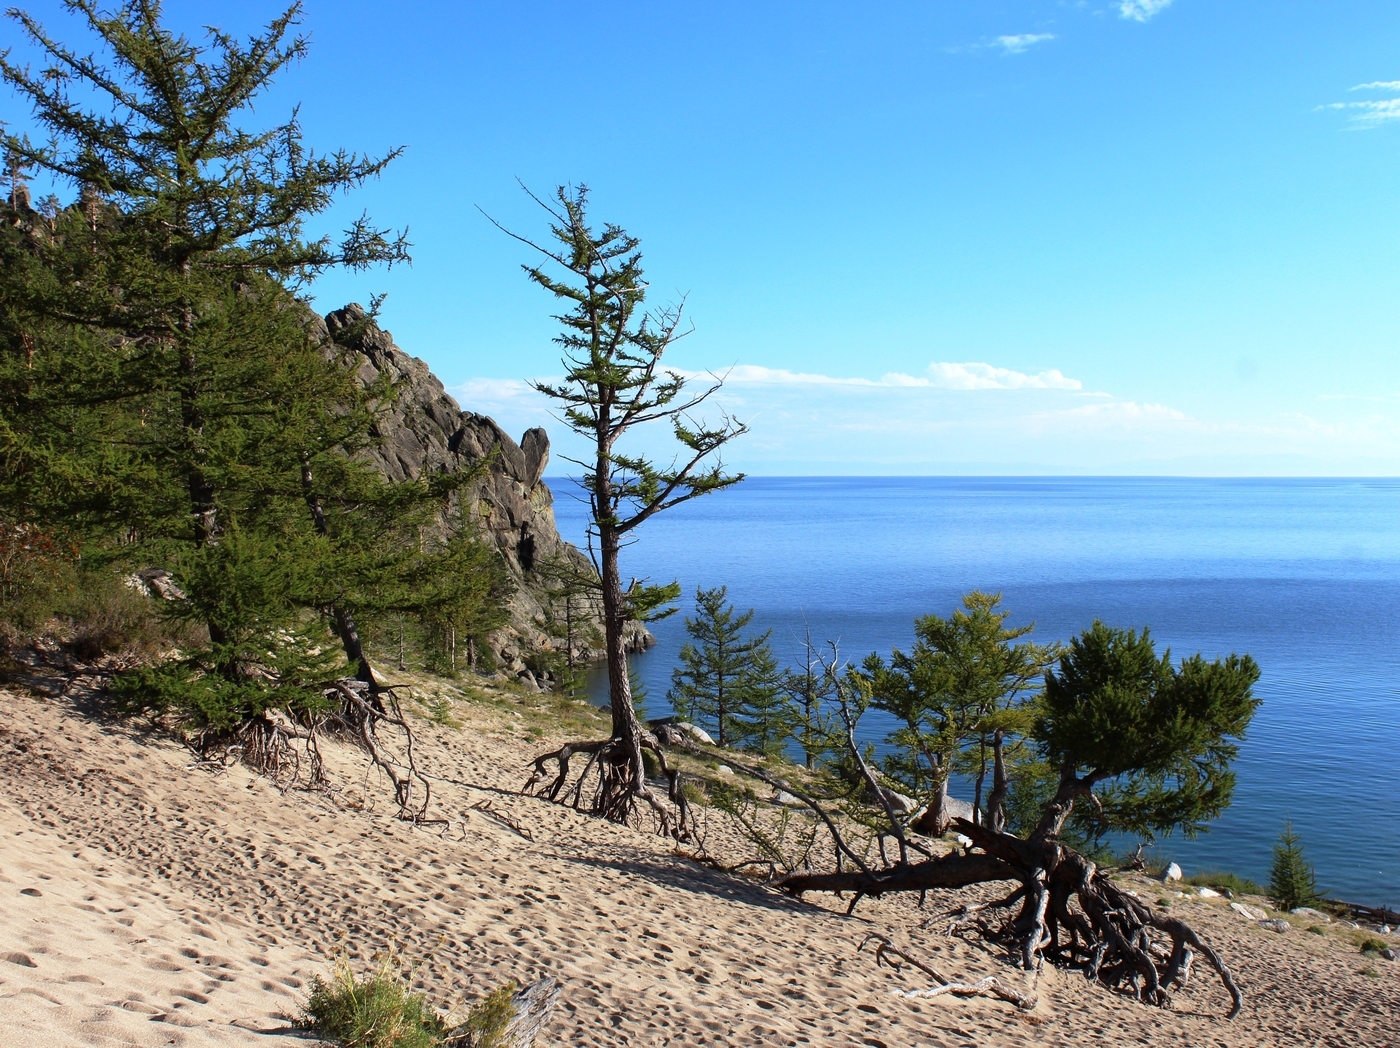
147	901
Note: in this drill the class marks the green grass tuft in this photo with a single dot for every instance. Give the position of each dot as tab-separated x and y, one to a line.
380	1010
375	1011
489	1018
1222	880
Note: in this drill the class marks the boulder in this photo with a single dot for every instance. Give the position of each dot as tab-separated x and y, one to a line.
669	735
898	802
788	800
698	734
1207	893
1249	913
1173	873
1308	911
724	769
1276	924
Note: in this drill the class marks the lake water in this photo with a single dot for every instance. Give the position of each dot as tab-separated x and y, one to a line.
1302	574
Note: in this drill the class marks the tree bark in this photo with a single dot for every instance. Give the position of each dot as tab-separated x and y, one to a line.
342	621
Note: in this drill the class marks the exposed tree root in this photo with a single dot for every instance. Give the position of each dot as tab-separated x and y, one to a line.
362	711
268	743
612	783
1069	912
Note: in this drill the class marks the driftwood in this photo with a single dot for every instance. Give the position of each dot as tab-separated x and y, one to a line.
888	953
534	1005
484	806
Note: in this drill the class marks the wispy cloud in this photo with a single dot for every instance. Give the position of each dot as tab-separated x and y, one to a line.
1021	42
938	375
1372	112
1141	10
954	417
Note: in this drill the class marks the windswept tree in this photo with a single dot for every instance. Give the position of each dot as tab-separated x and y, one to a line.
1148	746
614	384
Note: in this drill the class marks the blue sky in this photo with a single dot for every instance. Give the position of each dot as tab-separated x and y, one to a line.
1127	236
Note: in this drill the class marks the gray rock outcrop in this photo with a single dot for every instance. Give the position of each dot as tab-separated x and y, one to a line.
426	431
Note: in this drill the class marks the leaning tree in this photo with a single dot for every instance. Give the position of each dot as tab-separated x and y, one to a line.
614	384
1148	746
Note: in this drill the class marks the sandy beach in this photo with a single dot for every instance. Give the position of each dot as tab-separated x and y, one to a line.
150	901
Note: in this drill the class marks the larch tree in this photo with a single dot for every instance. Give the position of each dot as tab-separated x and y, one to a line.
727	681
810	690
614	384
960	695
1148	746
165	394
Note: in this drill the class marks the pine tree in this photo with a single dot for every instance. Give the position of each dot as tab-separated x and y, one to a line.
1292	880
173	396
765	718
961	696
166	395
613	385
727	681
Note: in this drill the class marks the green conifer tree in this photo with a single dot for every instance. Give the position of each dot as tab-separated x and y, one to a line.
1292	879
614	384
730	682
810	689
166	396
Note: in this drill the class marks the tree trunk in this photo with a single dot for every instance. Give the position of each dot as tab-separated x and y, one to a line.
342	621
1001	786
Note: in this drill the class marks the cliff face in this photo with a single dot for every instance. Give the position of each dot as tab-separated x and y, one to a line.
427	431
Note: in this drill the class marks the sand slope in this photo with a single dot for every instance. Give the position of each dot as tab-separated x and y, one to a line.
183	906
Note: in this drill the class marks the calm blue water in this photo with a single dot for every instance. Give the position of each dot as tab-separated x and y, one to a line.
1302	574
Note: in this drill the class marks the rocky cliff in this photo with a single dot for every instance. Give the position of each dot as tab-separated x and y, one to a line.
425	430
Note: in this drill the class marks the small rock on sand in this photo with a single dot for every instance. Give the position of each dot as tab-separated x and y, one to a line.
1276	924
1308	911
1207	893
1249	913
724	769
1173	873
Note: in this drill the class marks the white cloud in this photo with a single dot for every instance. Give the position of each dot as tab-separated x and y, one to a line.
490	390
977	417
1141	10
1379	85
938	375
1015	45
1369	114
986	376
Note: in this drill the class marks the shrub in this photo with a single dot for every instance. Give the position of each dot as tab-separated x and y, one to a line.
1373	945
375	1011
380	1010
1292	882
